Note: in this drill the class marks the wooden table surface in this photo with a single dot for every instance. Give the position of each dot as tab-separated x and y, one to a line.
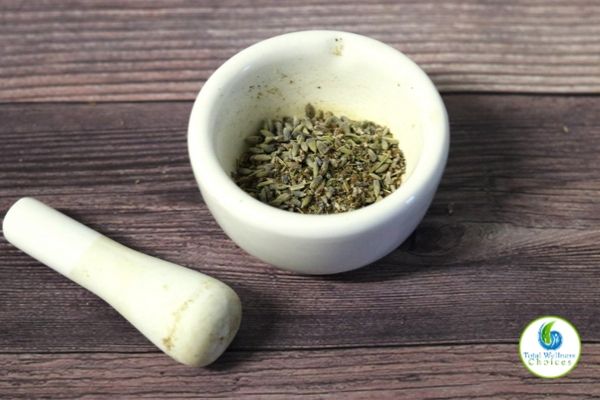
95	99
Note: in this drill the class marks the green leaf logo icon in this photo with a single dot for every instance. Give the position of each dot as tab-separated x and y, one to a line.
546	333
549	339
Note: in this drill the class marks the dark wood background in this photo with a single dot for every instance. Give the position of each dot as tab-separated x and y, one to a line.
94	102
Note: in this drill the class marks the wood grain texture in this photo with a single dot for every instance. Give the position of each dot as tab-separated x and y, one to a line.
164	50
422	372
512	234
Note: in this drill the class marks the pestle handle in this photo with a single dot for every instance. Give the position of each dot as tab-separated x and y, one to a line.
47	235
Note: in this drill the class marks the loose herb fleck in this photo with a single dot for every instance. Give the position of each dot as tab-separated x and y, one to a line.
320	163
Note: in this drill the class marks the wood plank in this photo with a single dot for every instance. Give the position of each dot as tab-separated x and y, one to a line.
439	372
512	234
163	50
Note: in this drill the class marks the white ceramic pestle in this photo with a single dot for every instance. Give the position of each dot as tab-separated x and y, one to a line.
188	315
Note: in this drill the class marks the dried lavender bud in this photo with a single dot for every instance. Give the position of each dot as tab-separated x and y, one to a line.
320	163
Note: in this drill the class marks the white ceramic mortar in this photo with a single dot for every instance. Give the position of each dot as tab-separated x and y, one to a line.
341	72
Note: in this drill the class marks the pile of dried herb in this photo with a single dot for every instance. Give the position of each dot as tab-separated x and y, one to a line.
320	163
